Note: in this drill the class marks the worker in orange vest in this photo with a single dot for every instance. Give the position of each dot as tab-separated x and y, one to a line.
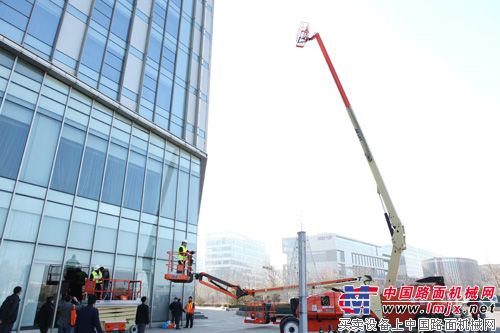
189	309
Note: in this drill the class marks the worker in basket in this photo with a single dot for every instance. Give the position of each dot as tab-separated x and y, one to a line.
184	257
96	276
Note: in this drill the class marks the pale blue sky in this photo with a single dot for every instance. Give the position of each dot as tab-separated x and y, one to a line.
424	80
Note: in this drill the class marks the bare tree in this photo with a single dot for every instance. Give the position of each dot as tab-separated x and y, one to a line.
274	276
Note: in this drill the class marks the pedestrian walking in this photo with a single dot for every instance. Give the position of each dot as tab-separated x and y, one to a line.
45	315
189	309
87	318
9	310
64	314
142	315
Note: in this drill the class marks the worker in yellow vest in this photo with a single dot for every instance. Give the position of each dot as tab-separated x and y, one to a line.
189	309
182	257
96	276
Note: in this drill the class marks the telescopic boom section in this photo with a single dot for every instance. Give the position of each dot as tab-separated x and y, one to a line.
396	228
235	291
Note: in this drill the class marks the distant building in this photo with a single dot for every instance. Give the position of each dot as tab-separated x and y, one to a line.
236	259
331	256
456	271
410	267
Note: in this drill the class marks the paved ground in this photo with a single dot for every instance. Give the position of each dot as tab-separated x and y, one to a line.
223	322
227	321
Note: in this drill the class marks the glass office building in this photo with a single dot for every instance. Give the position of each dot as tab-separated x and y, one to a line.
103	116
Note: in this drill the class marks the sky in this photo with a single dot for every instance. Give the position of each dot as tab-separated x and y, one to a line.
423	78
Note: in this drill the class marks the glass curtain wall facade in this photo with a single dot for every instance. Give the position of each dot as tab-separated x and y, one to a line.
103	112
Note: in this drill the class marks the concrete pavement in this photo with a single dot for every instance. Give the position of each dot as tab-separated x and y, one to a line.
228	322
220	321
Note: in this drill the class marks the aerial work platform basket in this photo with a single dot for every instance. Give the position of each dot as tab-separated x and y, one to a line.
302	34
180	271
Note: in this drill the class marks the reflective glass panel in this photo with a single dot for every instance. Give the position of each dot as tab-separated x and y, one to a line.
68	160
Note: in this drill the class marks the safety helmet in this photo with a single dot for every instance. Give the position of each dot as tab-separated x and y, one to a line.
185	241
96	266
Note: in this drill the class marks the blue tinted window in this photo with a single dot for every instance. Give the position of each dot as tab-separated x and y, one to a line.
149	82
177	3
114	56
152	190
185	31
76	13
6	59
148	94
182	65
65	59
94	50
104	6
14	126
111	73
135	181
101	19
164	93
21	6
159	15
41	150
173	22
154	50
187	6
115	175
92	168
121	21
194	199
44	21
169	191
16	13
68	160
182	197
169	53
102	13
178	103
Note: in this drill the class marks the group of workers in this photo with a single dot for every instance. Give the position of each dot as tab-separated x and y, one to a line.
102	278
176	311
103	283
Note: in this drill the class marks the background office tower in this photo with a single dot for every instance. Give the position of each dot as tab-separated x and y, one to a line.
331	256
103	117
236	259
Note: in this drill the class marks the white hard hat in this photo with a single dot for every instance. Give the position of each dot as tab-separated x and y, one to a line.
96	266
185	241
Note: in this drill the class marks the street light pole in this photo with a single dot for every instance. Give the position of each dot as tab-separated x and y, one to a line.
302	283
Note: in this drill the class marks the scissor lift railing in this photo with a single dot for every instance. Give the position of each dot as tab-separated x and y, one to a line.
115	289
